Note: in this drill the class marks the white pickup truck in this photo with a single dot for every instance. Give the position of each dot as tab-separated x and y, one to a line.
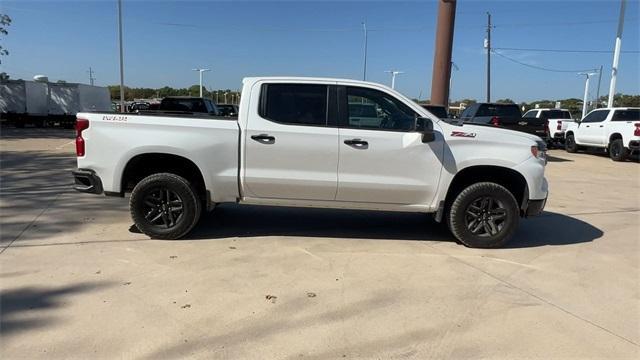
615	129
557	121
302	142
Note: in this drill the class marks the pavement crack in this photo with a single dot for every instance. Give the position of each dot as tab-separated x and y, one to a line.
32	222
507	283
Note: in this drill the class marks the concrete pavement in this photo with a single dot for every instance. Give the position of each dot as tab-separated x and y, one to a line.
263	283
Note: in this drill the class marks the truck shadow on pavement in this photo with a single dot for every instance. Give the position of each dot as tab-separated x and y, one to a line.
27	308
253	221
11	133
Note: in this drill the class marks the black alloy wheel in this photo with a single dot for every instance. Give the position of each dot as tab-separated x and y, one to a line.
163	207
485	216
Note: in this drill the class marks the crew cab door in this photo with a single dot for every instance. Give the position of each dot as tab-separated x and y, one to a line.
290	151
382	159
591	129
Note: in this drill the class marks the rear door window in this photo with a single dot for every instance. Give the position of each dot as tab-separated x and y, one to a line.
626	115
295	104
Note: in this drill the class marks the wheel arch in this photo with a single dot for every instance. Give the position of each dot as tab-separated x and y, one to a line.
142	165
511	179
614	136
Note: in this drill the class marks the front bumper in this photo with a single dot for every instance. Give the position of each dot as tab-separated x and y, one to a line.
534	207
87	181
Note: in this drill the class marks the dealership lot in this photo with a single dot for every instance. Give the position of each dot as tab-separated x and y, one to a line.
291	283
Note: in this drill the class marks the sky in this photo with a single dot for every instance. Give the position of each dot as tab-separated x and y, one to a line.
165	40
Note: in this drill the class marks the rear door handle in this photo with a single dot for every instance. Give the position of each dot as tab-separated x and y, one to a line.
264	138
357	143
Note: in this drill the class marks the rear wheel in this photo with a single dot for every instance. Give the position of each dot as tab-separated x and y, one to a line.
570	144
484	215
617	151
165	206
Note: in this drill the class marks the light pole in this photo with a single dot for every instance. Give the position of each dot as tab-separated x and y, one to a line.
585	100
393	77
456	68
616	54
122	109
201	71
364	68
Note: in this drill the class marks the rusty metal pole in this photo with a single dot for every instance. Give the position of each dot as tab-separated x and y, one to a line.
442	57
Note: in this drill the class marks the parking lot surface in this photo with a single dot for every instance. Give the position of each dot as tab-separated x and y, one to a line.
267	283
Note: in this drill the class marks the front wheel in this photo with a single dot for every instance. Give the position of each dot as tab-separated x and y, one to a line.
484	215
570	144
165	206
617	151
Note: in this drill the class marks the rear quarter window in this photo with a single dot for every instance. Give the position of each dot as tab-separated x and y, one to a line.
626	115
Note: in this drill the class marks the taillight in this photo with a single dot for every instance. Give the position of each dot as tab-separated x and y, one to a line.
559	127
636	132
546	127
81	124
495	121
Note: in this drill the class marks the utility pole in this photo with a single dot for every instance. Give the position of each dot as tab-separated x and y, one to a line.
91	78
364	67
585	100
122	107
616	54
201	71
488	46
598	91
393	77
441	75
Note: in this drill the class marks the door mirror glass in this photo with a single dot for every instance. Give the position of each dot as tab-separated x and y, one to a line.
425	127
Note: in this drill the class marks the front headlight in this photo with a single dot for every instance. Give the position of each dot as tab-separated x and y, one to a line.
540	151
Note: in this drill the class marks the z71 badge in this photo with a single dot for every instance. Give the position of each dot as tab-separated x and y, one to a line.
463	134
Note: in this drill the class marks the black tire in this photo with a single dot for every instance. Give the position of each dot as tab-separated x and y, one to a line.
165	206
617	151
484	215
570	144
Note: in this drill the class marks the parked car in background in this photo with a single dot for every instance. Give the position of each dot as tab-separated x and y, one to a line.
295	143
615	129
437	110
506	116
557	121
227	109
188	104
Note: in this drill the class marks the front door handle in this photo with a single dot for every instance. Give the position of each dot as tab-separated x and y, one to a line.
587	126
264	138
357	143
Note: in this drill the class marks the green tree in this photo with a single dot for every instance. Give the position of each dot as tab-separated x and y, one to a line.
5	21
505	101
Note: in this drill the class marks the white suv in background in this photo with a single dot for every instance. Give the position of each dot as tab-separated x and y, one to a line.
615	129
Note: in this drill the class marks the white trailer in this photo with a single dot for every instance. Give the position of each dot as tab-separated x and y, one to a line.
12	98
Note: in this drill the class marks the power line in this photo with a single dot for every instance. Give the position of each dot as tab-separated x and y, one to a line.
565	50
563	23
539	67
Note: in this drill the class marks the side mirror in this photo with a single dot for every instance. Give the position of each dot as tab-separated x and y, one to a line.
425	127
